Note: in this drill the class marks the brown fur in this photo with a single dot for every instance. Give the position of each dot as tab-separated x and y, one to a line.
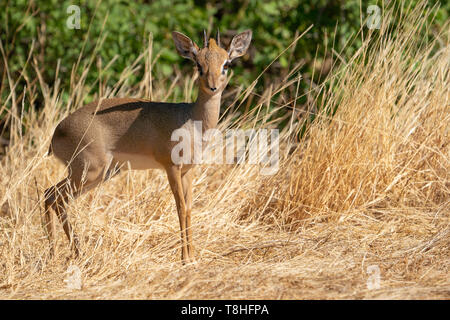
102	136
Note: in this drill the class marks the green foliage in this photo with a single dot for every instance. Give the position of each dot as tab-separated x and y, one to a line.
126	26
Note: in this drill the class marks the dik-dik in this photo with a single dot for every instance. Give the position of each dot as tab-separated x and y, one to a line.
135	133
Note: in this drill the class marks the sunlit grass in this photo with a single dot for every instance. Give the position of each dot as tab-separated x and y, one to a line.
366	186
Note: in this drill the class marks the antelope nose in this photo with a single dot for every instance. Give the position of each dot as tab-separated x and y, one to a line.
213	89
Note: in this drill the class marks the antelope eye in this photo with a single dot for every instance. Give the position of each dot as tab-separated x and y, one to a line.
199	69
225	67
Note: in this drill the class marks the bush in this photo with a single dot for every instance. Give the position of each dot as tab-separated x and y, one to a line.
125	28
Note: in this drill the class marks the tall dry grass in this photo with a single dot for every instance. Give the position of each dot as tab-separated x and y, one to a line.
367	184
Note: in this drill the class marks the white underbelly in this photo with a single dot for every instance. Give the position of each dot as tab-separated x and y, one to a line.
136	161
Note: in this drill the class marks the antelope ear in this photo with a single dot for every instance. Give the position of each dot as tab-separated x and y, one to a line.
185	46
239	44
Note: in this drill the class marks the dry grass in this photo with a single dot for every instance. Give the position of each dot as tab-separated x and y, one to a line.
367	186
